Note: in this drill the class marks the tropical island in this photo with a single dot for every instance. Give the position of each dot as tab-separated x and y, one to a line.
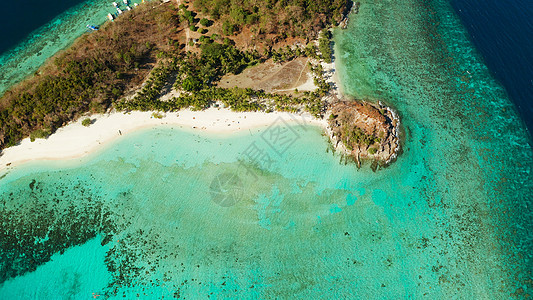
202	55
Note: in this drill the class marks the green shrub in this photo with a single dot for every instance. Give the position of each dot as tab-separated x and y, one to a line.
86	122
228	42
157	115
228	28
252	19
191	84
116	92
205	22
39	134
324	45
372	151
193	28
203	38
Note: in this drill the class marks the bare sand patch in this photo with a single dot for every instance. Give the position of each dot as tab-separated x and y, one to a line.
273	77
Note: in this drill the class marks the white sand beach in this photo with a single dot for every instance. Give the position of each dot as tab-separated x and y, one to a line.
76	140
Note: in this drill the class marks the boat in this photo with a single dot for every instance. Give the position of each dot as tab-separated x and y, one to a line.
115	4
119	11
128	7
125	2
135	4
92	27
110	17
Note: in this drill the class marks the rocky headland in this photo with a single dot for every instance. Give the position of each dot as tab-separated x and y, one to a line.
365	131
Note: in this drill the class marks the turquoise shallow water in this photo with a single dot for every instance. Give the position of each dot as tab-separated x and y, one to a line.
416	56
274	214
78	273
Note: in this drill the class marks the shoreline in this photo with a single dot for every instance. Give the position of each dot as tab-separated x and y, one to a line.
336	95
75	140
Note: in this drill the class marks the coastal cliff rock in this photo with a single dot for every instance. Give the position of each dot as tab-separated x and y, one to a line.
346	18
365	131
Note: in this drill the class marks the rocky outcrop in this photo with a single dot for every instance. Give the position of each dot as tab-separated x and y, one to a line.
353	10
365	131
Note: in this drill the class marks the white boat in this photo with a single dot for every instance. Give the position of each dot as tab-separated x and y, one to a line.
125	2
135	4
128	8
119	11
110	17
115	4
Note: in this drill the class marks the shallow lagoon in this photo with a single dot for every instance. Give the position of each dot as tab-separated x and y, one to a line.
306	224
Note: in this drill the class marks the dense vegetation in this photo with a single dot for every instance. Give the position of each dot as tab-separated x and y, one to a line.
284	18
195	74
101	68
324	45
354	135
95	71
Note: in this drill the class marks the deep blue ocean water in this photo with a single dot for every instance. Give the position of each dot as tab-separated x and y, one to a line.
20	18
502	31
